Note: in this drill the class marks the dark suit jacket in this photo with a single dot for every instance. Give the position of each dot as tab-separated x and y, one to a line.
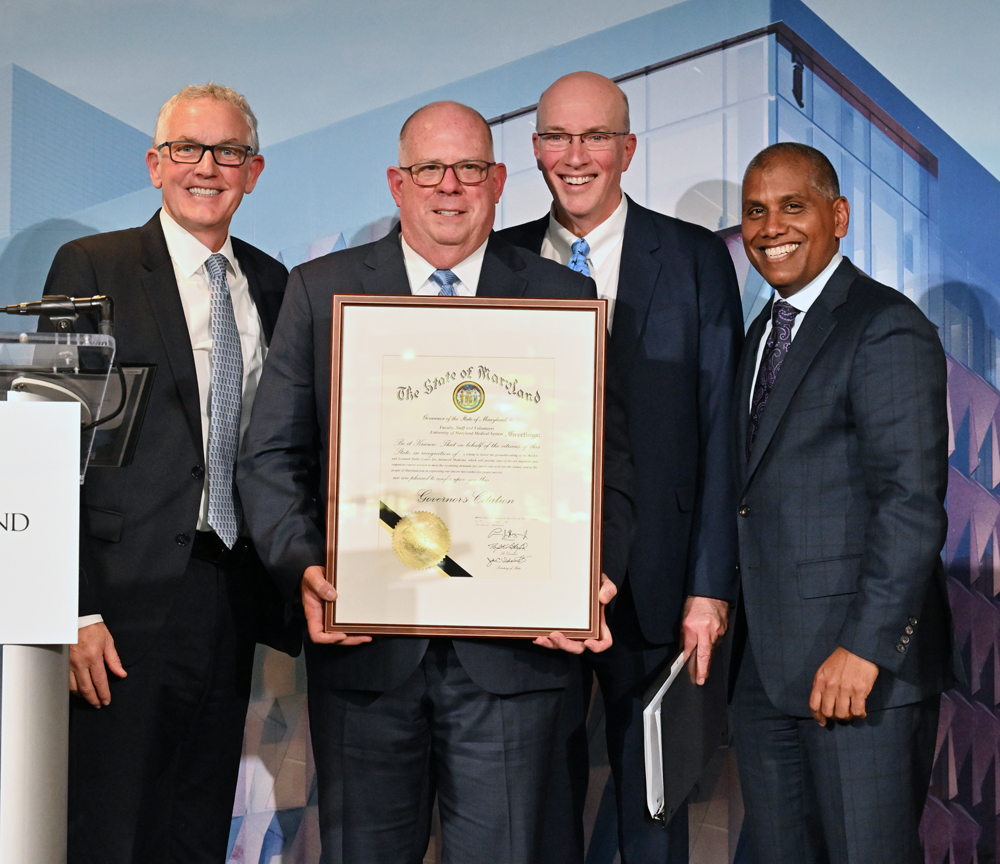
841	506
137	522
283	472
675	342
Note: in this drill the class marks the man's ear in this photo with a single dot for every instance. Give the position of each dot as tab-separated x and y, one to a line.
395	177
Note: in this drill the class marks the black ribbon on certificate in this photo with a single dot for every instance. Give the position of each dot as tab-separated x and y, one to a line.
389	518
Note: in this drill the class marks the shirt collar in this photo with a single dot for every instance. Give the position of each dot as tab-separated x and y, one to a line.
187	252
805	297
601	240
419	269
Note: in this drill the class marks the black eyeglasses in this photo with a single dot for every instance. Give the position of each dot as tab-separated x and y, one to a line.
190	152
468	172
590	140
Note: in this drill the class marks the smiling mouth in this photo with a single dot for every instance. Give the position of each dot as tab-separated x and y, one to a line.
202	192
448	212
775	253
578	181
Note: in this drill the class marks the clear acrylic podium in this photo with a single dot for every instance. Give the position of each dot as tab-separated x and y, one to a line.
52	386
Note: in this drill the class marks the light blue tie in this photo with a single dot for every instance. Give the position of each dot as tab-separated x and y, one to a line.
445	280
581	249
224	512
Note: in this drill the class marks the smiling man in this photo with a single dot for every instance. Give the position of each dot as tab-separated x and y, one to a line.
172	594
842	644
676	330
399	719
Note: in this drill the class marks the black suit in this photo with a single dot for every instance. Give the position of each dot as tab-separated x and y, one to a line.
675	341
283	478
841	522
165	610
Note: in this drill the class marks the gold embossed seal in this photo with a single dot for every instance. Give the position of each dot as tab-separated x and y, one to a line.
420	540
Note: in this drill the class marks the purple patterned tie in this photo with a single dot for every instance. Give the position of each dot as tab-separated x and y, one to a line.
775	349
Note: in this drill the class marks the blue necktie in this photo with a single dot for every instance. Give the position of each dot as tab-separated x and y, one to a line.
224	512
445	280
581	249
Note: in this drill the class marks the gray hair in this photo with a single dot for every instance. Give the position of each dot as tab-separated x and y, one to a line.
208	91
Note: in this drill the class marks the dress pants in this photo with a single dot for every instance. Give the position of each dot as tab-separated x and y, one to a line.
624	672
382	757
844	793
152	776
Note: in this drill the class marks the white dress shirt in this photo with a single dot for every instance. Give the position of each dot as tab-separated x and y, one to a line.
802	300
605	256
418	272
188	255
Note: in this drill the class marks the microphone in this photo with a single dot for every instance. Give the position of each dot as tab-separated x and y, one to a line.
63	311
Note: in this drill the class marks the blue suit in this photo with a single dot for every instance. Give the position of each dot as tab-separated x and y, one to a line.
675	344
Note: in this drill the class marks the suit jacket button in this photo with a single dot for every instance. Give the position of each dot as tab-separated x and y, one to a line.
913	622
744	510
905	640
198	472
900	648
908	631
182	539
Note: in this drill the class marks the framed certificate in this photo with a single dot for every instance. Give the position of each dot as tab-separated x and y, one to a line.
465	466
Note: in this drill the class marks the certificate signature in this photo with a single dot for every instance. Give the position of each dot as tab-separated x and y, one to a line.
507	549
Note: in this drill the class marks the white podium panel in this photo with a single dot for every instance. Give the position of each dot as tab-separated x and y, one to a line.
35	760
39	522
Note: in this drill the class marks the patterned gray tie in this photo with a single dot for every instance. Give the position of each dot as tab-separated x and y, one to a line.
775	350
445	280
581	249
226	404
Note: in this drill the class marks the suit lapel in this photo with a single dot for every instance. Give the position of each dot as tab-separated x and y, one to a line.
532	235
745	382
816	328
637	276
163	296
257	294
499	276
386	270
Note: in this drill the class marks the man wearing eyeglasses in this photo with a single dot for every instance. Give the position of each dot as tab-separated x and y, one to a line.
172	595
397	720
676	331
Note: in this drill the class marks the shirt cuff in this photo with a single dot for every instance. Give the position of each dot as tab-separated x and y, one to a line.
87	620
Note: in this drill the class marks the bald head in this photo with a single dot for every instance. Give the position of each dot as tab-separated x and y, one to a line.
440	116
583	176
585	88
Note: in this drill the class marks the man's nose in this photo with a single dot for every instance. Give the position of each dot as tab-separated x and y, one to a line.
449	183
207	163
576	153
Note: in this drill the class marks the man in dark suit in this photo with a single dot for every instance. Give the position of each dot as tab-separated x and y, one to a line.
676	331
169	589
842	644
398	719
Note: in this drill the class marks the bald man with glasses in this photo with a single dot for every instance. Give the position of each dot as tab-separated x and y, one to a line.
398	720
